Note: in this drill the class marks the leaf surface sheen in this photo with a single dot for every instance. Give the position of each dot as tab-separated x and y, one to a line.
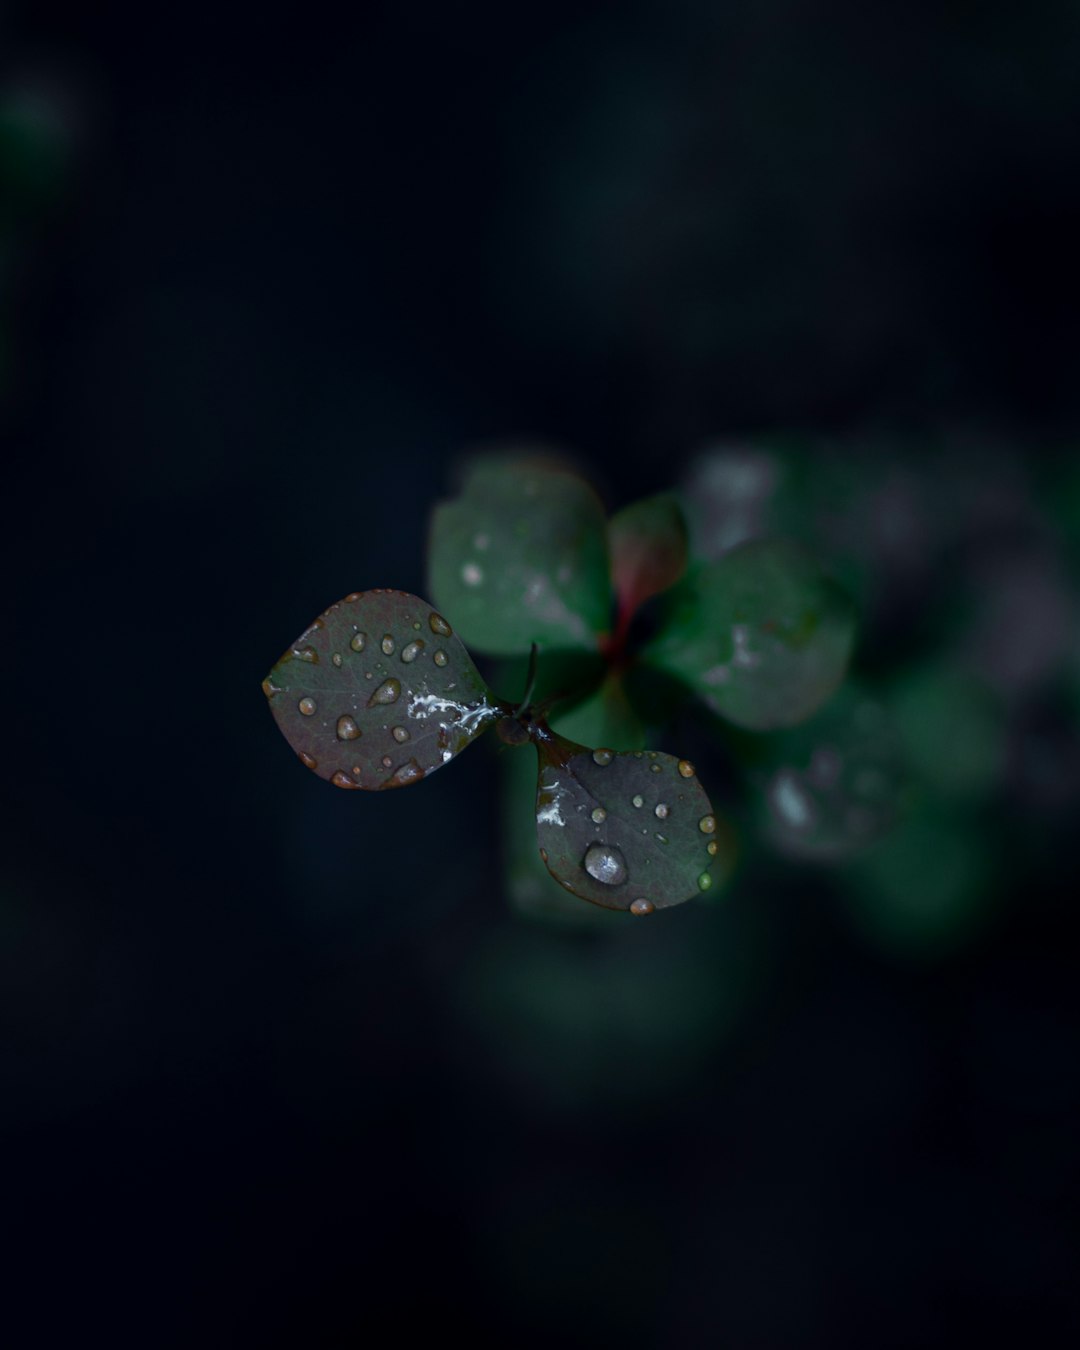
378	692
629	831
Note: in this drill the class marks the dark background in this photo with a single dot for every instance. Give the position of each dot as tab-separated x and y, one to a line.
279	1065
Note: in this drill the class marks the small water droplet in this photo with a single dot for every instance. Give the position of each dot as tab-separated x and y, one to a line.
269	688
439	625
359	642
308	761
307	706
662	810
639	800
605	863
336	658
408	772
707	824
686	768
400	734
412	650
387	762
308	654
388	692
712	847
342	780
599	815
543	854
642	907
704	881
347	730
471	574
387	644
354	595
440	658
662	838
655	768
603	756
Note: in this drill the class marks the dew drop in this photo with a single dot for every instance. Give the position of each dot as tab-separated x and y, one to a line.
388	692
707	824
354	595
662	838
342	780
604	863
347	730
359	642
400	734
712	847
642	907
269	688
599	815
336	658
662	811
439	625
308	654
307	707
639	800
387	762
308	761
471	574
603	756
655	768
704	882
387	644
686	768
410	772
412	650
440	658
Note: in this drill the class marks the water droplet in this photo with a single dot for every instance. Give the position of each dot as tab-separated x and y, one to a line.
662	838
269	688
400	734
354	595
412	650
704	881
707	824
655	768
387	644
439	625
642	907
603	756
307	706
359	642
471	574
306	654
409	772
712	847
342	780
686	768
639	800
662	810
387	762
599	815
604	863
308	761
388	692
347	730
440	658
336	658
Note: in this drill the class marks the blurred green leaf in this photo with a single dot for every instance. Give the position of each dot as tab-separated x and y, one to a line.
604	718
762	636
378	692
631	831
521	557
647	542
953	736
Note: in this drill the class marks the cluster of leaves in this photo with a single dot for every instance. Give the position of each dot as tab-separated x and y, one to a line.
612	623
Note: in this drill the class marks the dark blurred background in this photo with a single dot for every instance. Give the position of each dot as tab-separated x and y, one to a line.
280	1066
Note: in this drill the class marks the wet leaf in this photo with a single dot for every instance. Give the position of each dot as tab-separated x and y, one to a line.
521	557
647	542
378	692
762	636
631	831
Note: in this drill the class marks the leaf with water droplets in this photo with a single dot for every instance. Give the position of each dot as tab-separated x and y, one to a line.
378	692
762	635
629	831
521	557
647	541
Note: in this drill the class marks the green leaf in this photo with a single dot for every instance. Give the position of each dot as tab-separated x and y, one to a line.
762	636
521	557
631	831
378	692
604	718
952	734
647	542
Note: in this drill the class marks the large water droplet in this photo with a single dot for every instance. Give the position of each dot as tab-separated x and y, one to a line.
359	642
308	761
307	707
388	692
642	906
686	768
662	810
347	730
606	864
440	658
599	815
400	734
439	625
707	824
412	650
387	644
603	756
342	780
409	772
306	654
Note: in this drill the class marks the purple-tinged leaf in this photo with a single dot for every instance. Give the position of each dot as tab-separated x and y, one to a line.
647	543
631	831
378	692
